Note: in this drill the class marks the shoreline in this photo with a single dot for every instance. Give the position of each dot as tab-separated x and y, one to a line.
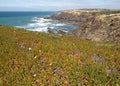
94	25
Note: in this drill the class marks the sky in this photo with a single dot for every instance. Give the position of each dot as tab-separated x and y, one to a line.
56	5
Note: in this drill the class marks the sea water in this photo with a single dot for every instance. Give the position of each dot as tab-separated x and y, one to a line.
33	21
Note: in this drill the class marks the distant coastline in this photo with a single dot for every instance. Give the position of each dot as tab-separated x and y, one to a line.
94	24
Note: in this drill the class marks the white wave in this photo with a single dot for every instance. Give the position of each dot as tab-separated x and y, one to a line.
44	24
19	26
41	20
45	20
37	25
48	20
31	25
41	24
52	27
42	29
59	24
35	17
34	20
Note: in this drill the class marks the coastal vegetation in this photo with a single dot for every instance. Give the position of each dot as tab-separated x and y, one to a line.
39	59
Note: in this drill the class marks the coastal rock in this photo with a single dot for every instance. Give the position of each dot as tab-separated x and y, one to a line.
59	31
95	24
69	17
51	31
62	32
100	28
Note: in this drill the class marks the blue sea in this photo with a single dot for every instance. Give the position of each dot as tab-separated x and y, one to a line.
33	21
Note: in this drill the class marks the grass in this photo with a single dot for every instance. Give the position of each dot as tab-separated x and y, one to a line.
106	12
38	59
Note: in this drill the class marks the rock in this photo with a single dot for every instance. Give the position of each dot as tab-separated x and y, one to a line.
62	32
68	17
51	31
100	28
46	17
59	31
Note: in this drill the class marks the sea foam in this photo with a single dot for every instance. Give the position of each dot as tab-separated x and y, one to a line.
41	24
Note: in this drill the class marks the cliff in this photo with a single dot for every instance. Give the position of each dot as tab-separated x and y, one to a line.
95	25
100	28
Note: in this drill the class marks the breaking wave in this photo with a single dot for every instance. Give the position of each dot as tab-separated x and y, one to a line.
41	24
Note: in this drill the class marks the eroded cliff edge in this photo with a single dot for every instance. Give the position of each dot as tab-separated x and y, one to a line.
95	25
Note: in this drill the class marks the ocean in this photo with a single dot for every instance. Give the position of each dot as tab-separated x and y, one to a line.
33	21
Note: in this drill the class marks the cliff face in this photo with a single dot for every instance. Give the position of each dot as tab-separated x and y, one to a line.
100	28
95	25
70	17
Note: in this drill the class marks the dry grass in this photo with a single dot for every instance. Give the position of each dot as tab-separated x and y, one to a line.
39	59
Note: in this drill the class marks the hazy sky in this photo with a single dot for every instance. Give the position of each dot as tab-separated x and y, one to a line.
37	5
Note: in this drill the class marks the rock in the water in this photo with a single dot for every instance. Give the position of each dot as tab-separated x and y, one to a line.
51	31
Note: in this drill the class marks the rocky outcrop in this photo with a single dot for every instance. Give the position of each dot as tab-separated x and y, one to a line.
100	28
95	25
77	17
59	31
69	17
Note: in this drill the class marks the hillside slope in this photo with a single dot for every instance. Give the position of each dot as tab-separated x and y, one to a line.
38	59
